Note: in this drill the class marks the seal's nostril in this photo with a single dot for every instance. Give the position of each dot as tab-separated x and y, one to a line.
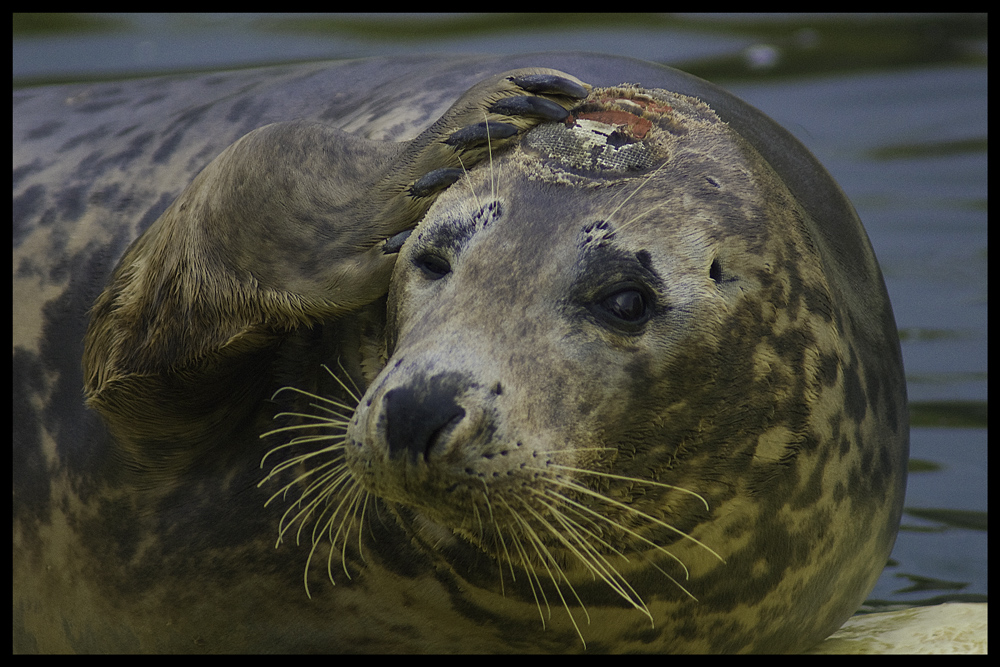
417	416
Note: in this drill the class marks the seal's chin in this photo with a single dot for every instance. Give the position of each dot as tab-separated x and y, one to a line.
457	545
430	532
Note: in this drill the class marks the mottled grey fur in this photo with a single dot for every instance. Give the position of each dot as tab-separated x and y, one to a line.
767	378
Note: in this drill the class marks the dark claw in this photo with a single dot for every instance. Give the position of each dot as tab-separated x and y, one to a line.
434	181
395	243
478	134
531	107
548	84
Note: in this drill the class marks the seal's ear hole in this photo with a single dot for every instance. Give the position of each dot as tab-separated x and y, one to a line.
432	266
715	271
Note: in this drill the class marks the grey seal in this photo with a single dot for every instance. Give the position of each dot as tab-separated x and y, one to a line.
634	385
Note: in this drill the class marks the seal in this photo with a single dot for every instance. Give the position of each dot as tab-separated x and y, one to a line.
629	385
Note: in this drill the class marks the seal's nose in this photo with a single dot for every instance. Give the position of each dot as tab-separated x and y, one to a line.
418	416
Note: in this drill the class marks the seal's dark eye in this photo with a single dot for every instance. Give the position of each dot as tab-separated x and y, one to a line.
628	305
627	309
433	266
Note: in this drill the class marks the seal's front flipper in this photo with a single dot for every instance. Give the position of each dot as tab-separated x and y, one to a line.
395	244
434	182
549	82
295	224
487	117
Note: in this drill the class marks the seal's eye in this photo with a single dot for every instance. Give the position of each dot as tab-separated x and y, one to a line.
627	309
628	305
433	266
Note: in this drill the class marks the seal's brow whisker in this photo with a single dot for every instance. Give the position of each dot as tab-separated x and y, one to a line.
489	148
641	214
468	181
639	187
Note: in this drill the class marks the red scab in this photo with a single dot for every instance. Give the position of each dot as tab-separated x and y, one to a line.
653	106
645	103
611	117
634	125
641	127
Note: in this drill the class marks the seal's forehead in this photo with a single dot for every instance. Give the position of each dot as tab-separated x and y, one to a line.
622	131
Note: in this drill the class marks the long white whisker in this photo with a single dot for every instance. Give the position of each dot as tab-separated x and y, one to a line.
631	479
573	484
634	193
592	558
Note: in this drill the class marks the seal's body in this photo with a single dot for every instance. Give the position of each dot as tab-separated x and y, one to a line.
637	386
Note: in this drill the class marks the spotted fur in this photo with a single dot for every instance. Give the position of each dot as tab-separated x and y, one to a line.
775	404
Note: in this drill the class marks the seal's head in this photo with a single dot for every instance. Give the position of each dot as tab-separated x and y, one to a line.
616	354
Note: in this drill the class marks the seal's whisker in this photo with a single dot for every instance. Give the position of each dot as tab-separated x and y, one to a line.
530	570
361	521
320	422
329	468
531	537
573	484
348	504
489	149
313	396
315	505
577	450
298	440
468	181
283	491
301	458
356	393
642	214
555	562
303	515
625	478
346	497
623	528
347	522
619	525
576	485
337	418
498	535
595	562
332	498
337	438
639	187
546	557
349	492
